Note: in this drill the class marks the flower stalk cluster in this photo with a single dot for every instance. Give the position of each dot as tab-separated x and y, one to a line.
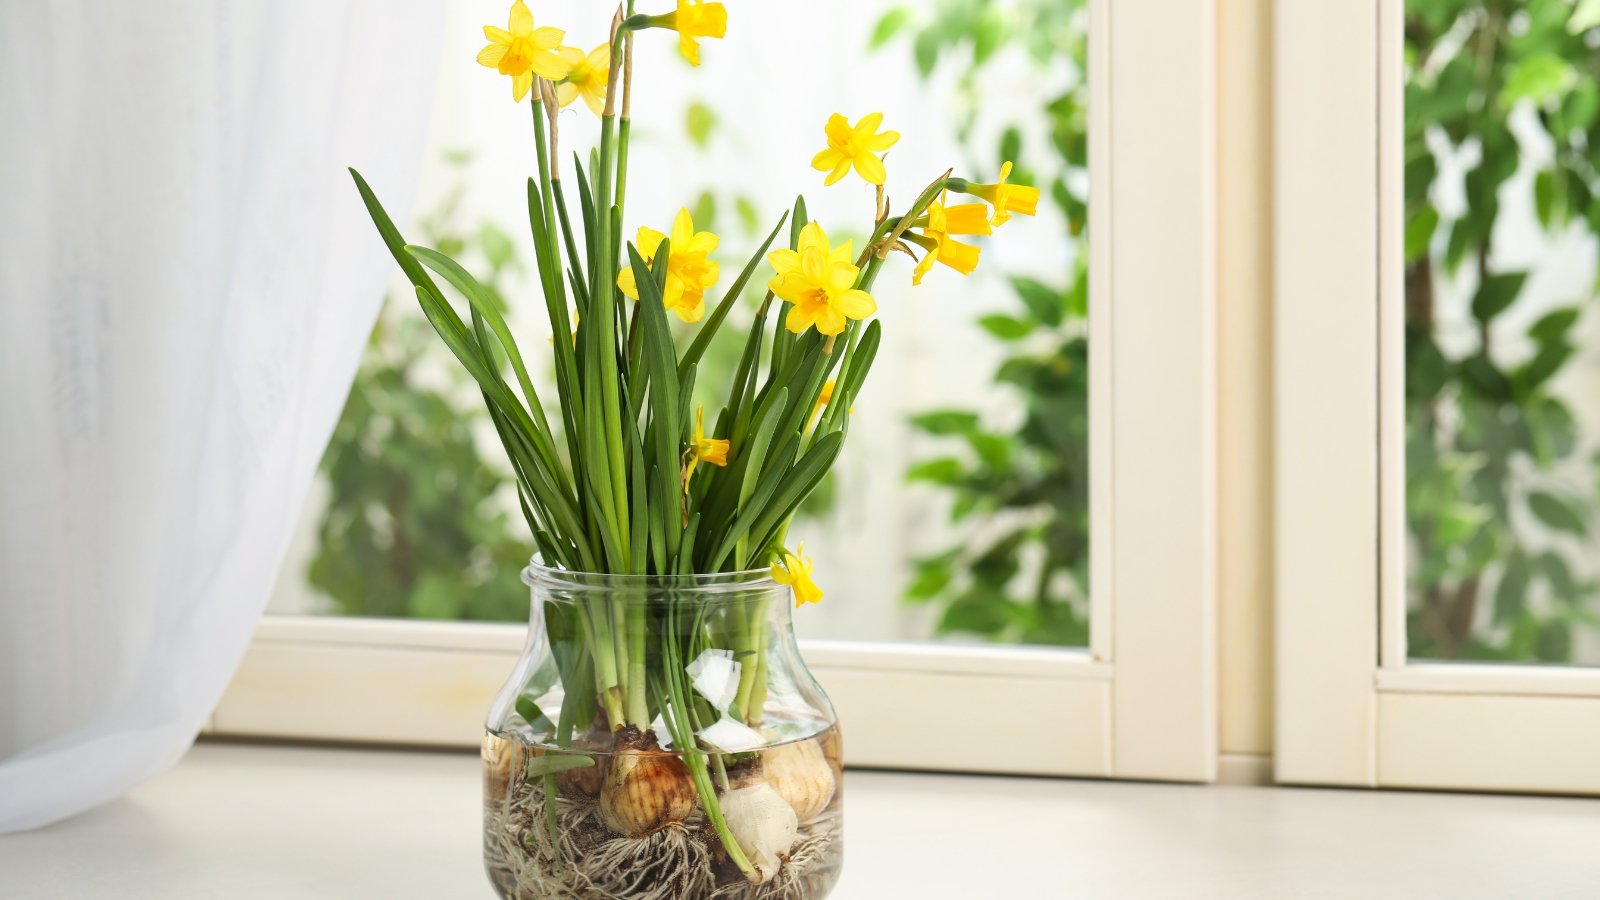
619	477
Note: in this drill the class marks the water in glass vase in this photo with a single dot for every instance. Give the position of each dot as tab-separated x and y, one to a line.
615	816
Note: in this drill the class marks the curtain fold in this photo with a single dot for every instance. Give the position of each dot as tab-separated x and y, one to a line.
187	279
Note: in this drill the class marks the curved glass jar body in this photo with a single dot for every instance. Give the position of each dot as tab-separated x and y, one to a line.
661	738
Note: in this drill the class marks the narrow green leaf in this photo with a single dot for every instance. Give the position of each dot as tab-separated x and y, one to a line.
661	362
552	762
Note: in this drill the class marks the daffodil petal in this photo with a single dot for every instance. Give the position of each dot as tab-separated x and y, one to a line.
967	218
813	264
491	55
856	304
672	293
648	241
547	38
870	168
521	21
837	129
799	319
784	261
924	266
841	276
682	231
961	257
868	124
692	312
1024	199
689	47
812	237
822	162
627	285
830	321
546	64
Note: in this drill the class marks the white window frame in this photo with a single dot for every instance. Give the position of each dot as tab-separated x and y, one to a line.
1141	701
1350	708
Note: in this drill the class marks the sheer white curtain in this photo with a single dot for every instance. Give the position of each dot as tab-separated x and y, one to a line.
187	278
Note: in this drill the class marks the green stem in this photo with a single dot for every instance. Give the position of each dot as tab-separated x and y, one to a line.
638	700
684	741
598	636
752	640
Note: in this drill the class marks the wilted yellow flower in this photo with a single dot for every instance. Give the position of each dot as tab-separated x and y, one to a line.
690	270
857	146
702	449
820	282
795	571
692	20
587	78
523	51
937	225
1006	198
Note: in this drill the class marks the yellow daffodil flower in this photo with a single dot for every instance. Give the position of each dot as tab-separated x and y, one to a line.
820	282
690	270
795	571
692	20
587	77
523	51
1005	198
856	146
938	224
702	449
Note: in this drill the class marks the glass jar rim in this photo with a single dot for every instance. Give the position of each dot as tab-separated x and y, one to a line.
538	574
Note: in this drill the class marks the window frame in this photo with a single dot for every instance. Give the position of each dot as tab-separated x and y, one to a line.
1351	709
1141	701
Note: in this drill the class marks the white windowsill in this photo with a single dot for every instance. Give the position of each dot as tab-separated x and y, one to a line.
256	821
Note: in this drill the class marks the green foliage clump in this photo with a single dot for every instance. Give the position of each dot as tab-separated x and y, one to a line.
1019	570
1499	499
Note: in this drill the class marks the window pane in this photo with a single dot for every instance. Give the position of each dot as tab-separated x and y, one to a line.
1502	334
960	506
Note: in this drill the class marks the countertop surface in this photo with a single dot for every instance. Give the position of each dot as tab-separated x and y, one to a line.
244	821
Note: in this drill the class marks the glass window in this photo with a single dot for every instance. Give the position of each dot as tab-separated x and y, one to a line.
1502	334
960	506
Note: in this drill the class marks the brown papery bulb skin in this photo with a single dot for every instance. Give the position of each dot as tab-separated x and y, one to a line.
645	789
800	773
502	761
586	782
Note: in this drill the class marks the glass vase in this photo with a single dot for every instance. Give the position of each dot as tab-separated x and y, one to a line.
660	738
